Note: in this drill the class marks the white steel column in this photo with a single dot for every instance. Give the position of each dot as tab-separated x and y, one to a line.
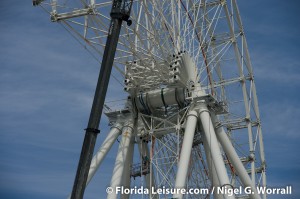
213	145
118	171
127	168
234	159
185	153
103	150
212	169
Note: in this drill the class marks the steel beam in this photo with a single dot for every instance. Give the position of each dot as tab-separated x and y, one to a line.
185	153
122	156
212	170
126	178
103	150
234	159
213	147
117	16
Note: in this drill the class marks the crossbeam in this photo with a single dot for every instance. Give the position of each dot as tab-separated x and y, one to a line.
68	15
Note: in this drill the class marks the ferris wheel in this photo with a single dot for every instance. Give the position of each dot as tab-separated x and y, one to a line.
191	117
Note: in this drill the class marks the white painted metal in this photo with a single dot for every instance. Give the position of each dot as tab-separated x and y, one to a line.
234	159
184	159
124	148
212	170
213	147
245	94
127	168
255	100
103	150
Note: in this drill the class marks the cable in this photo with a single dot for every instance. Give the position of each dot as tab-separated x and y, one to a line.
163	100
143	103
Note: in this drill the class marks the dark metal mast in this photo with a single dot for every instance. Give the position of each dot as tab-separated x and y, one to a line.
120	11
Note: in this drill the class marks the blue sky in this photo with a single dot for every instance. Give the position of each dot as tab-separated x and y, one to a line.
47	82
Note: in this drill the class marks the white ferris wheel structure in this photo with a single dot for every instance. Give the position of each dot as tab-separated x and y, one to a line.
191	118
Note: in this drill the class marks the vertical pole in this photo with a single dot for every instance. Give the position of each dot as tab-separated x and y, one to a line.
185	153
124	148
235	160
213	145
117	16
149	178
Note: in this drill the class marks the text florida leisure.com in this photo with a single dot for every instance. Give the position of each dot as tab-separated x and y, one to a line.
226	190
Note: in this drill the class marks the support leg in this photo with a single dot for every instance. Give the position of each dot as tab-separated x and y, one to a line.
212	169
185	154
213	145
103	150
116	180
127	168
234	159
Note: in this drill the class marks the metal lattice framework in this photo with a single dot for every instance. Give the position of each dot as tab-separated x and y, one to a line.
187	70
